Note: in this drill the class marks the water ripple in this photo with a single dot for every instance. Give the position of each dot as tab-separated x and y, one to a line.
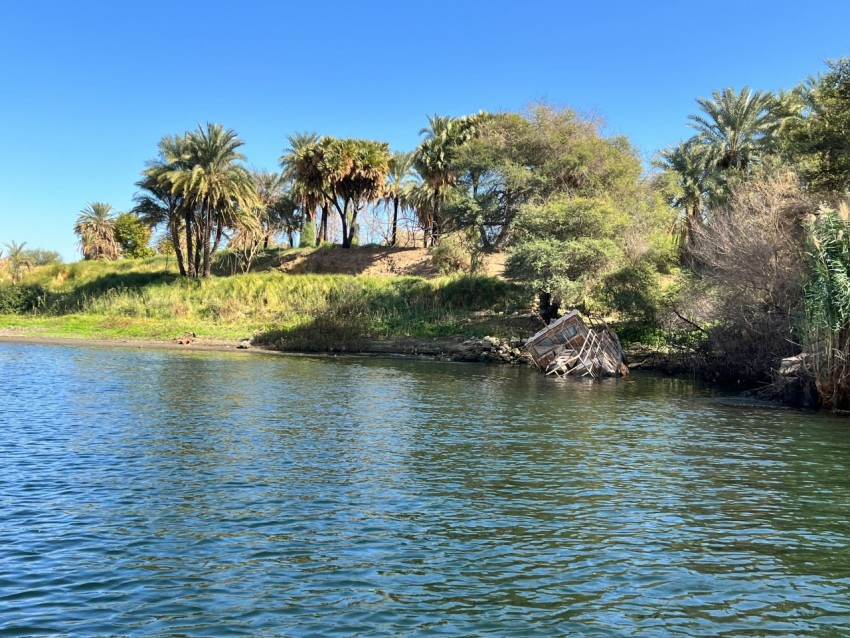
197	494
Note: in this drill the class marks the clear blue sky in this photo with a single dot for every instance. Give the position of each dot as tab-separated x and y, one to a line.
89	88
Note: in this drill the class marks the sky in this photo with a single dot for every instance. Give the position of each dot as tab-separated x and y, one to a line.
87	89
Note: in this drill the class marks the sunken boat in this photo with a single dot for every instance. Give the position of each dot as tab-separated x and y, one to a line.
572	346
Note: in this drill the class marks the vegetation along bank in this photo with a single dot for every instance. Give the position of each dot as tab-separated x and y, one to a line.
726	257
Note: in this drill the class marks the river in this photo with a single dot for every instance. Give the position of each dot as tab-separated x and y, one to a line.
169	493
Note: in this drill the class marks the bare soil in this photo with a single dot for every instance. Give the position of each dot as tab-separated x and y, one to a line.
376	261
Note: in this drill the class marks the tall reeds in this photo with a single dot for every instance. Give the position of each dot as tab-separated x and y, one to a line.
827	304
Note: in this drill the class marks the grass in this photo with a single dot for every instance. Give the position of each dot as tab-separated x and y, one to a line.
146	299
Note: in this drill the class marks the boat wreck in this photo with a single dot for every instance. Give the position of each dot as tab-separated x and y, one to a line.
569	346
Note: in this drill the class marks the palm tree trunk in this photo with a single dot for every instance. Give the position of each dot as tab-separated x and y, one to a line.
323	226
175	239
394	236
346	241
207	241
190	262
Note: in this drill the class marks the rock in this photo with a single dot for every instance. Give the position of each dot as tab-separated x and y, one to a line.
244	345
791	366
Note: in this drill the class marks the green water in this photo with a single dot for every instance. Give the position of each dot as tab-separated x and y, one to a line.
203	494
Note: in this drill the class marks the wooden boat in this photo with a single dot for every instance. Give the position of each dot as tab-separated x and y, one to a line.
570	346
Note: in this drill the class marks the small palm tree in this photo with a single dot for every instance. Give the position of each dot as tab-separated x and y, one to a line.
17	261
95	228
398	178
691	164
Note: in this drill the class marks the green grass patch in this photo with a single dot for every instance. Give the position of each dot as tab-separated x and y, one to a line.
146	299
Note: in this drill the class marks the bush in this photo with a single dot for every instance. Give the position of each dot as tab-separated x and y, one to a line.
16	299
633	292
453	255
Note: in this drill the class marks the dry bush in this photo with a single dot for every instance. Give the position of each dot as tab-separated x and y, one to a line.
751	257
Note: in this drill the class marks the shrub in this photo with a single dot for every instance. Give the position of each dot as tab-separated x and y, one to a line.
17	299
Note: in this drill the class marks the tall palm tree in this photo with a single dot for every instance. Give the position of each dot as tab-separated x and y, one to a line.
398	178
739	125
95	228
435	158
210	177
17	260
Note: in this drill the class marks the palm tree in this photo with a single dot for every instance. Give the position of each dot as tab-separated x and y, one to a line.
301	171
398	178
740	126
95	228
157	205
691	164
435	157
210	178
18	260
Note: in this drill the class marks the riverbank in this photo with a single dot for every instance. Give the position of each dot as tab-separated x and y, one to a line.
482	350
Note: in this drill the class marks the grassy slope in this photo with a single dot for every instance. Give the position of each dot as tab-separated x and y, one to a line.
145	299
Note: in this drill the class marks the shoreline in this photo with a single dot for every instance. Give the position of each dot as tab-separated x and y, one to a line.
416	348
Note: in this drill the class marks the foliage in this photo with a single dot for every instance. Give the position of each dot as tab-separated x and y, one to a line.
827	304
42	257
633	293
199	188
820	142
456	253
566	247
96	229
739	127
750	263
132	236
17	260
19	299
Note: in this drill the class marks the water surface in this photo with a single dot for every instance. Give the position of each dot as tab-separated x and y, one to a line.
160	493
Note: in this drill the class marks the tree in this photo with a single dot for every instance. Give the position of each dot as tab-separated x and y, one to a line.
821	143
96	229
17	260
132	236
209	177
307	183
158	204
398	178
347	174
690	164
739	126
435	159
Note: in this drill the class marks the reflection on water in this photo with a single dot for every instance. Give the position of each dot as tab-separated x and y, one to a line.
186	493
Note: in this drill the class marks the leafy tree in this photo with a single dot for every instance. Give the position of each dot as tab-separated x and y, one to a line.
96	229
565	246
17	260
821	141
132	236
41	257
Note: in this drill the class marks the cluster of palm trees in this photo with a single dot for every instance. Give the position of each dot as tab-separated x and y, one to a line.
199	190
734	131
